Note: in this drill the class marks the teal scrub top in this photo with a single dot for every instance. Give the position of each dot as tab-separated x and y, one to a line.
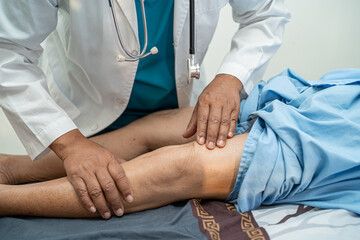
154	87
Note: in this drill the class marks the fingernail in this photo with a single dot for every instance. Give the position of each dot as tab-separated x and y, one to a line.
107	215
92	209
211	145
129	198
119	212
221	143
201	140
230	134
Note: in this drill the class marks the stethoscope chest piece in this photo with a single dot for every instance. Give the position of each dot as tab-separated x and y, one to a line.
193	69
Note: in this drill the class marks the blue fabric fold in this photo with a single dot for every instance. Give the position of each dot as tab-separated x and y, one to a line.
304	142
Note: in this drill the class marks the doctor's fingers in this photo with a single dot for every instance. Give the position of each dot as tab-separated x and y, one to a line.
123	185
191	128
97	196
111	193
202	117
90	194
213	126
224	126
228	122
233	120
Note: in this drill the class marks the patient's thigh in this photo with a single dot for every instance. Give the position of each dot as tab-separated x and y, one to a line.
166	127
162	128
154	131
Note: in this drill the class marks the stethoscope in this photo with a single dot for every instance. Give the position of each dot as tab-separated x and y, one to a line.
193	69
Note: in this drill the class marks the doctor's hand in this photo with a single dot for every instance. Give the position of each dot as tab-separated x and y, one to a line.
215	115
95	173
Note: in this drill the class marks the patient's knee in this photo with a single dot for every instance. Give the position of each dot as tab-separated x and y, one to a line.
197	171
218	167
201	172
180	165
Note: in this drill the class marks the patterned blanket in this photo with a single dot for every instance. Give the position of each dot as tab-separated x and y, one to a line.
194	219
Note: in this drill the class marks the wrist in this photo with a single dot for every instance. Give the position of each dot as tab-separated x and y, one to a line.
230	79
65	144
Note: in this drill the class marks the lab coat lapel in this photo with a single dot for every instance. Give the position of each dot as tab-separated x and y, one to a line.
129	10
181	8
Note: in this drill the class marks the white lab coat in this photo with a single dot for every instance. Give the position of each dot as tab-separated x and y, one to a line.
77	83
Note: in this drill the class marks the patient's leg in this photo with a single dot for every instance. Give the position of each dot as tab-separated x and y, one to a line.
149	133
160	177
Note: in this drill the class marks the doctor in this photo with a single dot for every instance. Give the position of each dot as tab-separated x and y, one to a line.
76	84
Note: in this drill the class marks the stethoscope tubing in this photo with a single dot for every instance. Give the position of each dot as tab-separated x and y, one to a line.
192	27
131	57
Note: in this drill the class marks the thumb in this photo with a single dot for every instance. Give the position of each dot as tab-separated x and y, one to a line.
191	128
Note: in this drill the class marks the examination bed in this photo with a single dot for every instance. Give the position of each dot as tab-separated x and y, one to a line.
194	219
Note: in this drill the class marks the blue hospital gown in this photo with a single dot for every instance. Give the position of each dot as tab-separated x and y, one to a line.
304	142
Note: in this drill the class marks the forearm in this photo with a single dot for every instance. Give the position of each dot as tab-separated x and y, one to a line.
256	41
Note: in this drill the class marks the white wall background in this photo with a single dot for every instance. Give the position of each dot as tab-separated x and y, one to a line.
323	35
